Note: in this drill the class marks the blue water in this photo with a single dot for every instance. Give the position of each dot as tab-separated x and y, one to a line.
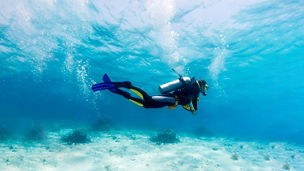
250	53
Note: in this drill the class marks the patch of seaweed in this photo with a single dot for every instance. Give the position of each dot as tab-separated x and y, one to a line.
76	137
165	137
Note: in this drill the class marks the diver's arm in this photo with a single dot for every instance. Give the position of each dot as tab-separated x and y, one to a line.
192	108
189	107
194	102
194	112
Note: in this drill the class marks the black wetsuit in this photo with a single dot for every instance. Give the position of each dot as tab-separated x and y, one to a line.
189	92
147	100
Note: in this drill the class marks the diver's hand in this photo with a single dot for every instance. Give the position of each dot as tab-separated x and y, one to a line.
204	93
194	112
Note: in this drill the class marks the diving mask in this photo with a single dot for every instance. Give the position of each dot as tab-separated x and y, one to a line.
203	86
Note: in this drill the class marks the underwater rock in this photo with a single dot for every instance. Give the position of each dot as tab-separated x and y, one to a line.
36	134
102	125
274	146
286	166
215	148
243	146
165	137
267	157
293	156
76	137
235	157
4	134
203	132
12	148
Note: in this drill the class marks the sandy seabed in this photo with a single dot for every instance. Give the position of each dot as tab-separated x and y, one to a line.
132	150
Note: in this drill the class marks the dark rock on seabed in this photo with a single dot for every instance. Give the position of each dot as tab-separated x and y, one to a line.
76	137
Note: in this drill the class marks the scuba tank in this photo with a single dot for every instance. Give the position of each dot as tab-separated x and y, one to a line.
173	85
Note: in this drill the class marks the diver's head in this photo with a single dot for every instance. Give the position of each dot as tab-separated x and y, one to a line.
203	86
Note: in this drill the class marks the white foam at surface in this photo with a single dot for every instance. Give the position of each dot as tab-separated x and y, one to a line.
35	27
160	14
132	150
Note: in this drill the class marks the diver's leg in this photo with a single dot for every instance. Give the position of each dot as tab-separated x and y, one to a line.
147	101
160	101
154	101
128	96
144	94
122	93
128	85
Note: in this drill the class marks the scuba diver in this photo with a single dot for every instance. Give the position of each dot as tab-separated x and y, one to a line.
183	91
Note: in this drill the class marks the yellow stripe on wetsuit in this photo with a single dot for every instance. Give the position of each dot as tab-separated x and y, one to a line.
139	104
140	95
189	107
